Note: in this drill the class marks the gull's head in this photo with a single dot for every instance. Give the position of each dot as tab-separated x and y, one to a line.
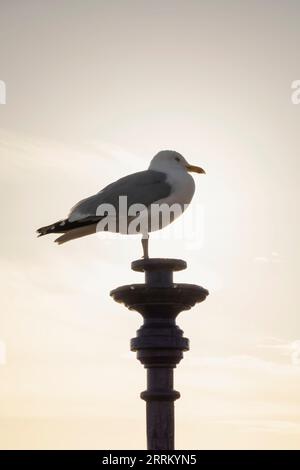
167	160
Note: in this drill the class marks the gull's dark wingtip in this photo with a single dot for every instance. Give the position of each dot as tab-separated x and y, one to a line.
57	227
42	231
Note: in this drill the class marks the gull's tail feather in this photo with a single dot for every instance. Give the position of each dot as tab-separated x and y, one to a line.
71	229
76	233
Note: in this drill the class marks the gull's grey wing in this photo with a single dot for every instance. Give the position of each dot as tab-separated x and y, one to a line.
144	187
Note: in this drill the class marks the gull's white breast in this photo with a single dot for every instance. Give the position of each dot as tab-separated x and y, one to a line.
183	187
182	191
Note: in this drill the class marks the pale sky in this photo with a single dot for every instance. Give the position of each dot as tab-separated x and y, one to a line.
94	90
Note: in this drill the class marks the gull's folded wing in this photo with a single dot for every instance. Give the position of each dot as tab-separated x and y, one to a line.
145	187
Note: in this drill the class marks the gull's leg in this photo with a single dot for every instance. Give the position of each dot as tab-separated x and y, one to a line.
145	244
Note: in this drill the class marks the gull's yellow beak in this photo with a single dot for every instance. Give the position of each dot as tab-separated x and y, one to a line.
195	169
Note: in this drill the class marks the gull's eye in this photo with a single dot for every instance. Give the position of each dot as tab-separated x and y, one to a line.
177	159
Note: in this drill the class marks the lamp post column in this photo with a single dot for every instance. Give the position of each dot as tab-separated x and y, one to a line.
159	342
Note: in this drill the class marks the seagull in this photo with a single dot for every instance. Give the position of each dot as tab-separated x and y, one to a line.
166	183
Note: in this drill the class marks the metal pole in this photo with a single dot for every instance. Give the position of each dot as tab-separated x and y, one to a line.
159	342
